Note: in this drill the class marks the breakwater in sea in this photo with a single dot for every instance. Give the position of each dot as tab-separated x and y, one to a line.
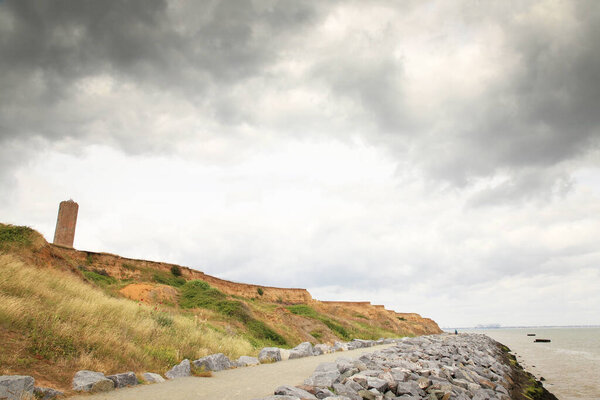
437	367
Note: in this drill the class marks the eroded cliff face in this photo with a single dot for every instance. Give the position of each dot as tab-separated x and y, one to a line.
142	273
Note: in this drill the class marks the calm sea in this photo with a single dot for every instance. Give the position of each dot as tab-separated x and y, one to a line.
570	364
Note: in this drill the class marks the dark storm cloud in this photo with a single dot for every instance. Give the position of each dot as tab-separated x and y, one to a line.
543	111
46	47
218	59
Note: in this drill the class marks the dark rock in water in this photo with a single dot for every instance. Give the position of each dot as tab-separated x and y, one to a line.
531	334
542	341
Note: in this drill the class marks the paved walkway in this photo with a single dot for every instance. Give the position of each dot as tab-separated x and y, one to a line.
239	384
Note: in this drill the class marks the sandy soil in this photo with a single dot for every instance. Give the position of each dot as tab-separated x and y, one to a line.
241	383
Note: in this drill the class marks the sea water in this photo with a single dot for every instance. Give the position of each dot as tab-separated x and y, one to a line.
570	363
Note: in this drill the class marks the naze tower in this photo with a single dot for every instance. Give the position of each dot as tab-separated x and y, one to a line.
65	223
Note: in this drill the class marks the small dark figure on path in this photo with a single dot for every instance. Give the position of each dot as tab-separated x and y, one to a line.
455	332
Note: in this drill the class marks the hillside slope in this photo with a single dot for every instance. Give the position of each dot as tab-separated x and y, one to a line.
62	310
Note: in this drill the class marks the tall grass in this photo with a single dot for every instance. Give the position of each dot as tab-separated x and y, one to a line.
79	325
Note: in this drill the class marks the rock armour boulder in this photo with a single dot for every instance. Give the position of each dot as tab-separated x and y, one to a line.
16	387
42	393
439	367
181	370
269	354
246	361
214	362
151	377
123	380
91	381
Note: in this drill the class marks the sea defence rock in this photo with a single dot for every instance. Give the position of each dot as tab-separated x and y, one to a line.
269	354
246	361
16	387
90	381
322	348
440	367
180	370
43	393
304	349
214	362
294	391
151	377
123	380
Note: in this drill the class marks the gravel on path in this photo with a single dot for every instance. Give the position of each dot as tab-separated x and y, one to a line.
239	384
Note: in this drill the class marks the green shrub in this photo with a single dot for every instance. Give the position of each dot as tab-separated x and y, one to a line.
168	279
317	334
402	318
99	277
15	235
262	331
260	291
307	311
304	310
163	319
199	294
175	270
128	267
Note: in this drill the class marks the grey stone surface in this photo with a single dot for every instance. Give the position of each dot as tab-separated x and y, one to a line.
43	393
180	370
324	376
246	361
213	362
123	380
91	381
294	391
151	377
322	348
436	367
15	387
269	354
304	349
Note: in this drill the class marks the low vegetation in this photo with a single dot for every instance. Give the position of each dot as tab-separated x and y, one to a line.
15	236
77	326
63	310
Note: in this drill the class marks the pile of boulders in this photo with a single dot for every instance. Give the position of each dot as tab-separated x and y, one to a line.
439	367
19	387
91	381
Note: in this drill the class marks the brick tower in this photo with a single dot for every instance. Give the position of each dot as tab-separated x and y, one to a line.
65	223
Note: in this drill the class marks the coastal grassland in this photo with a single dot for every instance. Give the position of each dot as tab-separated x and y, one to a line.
74	325
12	236
199	294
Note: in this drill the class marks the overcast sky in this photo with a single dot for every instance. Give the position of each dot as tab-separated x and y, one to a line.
435	157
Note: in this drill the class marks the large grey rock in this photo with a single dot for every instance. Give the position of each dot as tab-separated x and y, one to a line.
294	391
325	375
322	348
16	387
280	397
304	349
123	380
213	362
151	377
245	361
91	381
340	346
180	370
269	354
43	393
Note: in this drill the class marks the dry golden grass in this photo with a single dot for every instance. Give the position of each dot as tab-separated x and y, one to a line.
78	326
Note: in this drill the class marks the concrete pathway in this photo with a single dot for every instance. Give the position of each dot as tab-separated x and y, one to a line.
239	384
